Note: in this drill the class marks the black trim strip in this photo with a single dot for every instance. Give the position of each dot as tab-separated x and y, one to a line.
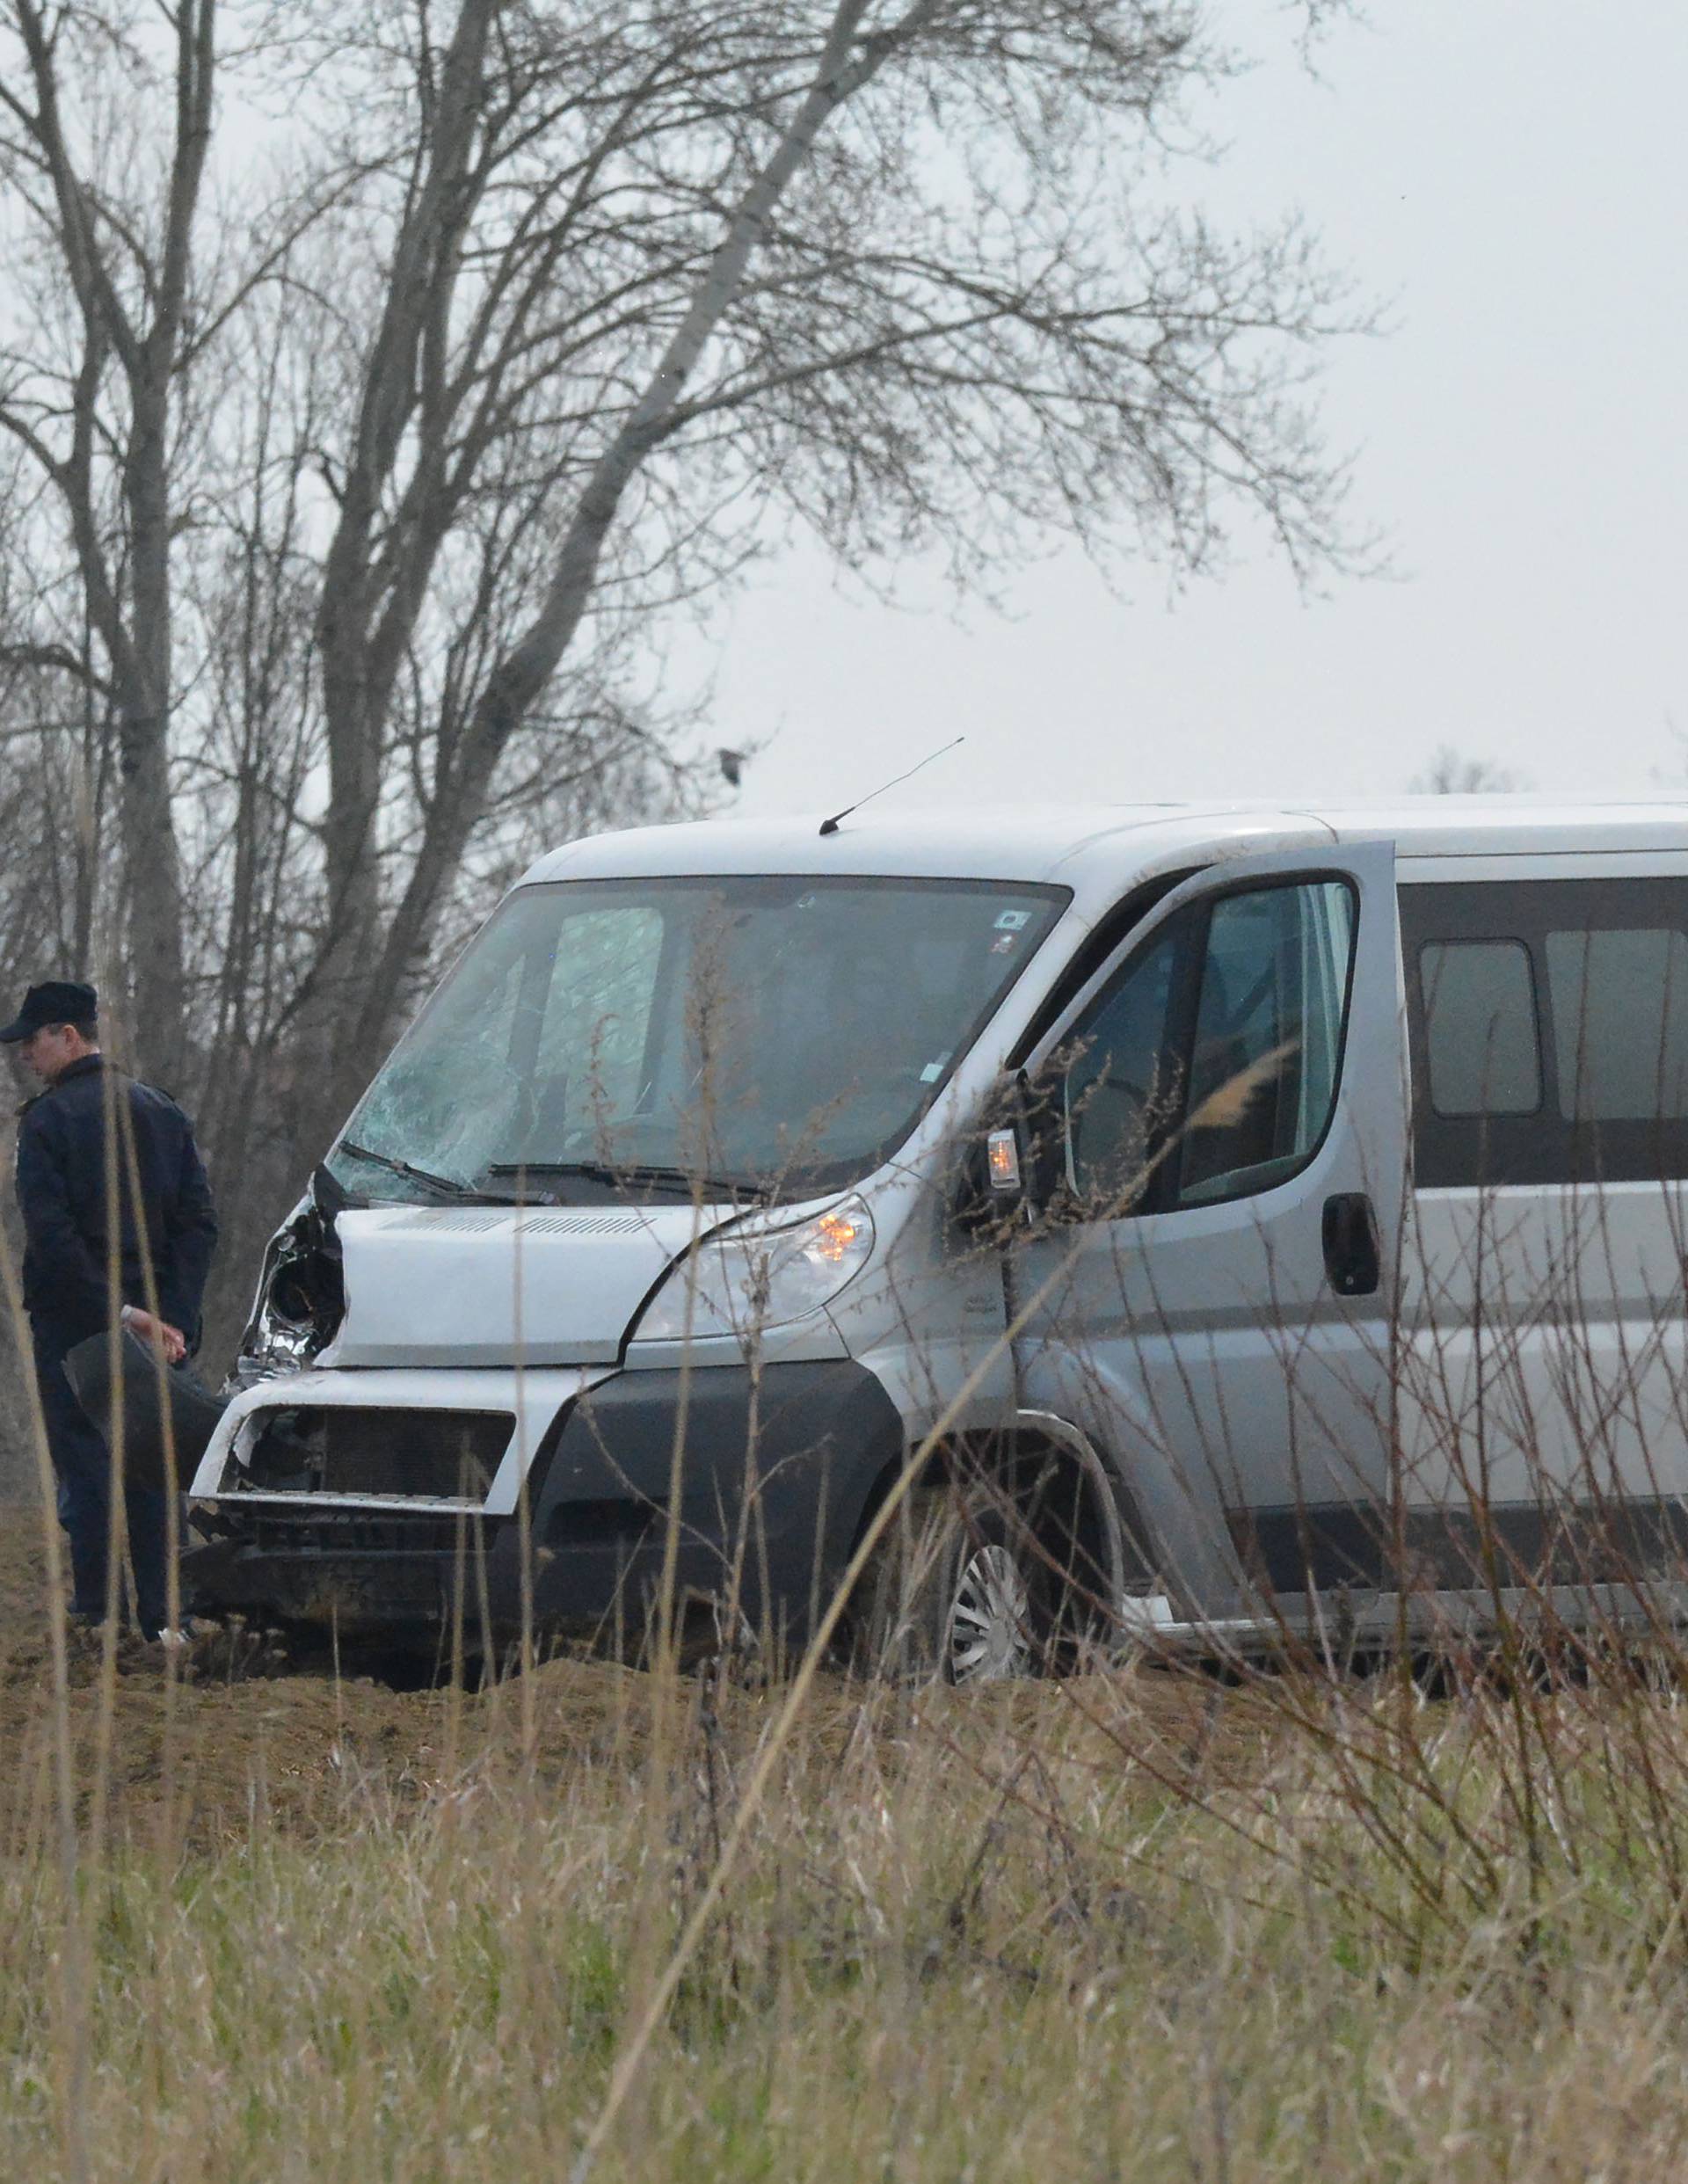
1323	1546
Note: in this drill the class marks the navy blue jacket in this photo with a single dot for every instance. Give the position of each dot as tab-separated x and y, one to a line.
65	1195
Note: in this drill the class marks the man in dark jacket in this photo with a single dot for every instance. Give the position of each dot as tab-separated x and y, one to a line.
104	1231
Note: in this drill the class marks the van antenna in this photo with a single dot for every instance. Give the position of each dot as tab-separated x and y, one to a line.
829	825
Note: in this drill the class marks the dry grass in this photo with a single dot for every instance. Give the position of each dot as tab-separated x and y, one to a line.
1135	1925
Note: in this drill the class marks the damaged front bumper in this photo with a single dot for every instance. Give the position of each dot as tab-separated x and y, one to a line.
373	1501
389	1501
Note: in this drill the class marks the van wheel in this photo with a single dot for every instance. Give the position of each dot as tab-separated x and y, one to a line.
953	1591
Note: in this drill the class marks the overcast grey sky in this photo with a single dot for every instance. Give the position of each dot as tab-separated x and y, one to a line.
1509	174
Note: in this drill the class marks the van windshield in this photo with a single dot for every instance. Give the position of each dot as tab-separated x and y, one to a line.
773	1035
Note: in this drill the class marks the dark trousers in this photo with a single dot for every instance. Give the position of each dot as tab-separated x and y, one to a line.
83	1464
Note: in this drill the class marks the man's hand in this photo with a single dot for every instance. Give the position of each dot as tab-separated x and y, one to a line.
159	1332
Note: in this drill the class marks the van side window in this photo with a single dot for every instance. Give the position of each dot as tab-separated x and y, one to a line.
1207	1068
1548	1029
1268	1037
1120	1091
1620	1023
1480	1027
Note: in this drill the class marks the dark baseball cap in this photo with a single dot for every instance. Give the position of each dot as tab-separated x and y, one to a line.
60	1001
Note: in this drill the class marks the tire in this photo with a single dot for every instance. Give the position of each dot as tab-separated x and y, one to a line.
955	1593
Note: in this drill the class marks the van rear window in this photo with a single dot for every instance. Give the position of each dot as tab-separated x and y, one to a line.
1621	1023
1480	1027
1548	1025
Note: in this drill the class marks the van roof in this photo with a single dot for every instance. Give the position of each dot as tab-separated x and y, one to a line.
1083	844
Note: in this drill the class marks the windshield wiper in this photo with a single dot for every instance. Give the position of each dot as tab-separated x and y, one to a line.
447	1185
637	1172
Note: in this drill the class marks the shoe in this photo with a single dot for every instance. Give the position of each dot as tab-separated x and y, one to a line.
91	1622
172	1638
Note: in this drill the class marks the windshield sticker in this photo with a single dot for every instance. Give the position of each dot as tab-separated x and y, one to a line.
1013	921
933	1070
1003	945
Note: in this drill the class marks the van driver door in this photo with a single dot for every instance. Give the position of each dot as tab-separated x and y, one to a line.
1210	1292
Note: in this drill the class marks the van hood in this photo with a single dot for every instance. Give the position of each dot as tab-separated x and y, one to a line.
500	1285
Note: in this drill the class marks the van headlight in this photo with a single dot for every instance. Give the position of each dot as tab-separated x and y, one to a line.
746	1280
299	1303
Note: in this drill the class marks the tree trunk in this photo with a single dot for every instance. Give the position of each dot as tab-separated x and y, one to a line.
845	65
361	650
152	867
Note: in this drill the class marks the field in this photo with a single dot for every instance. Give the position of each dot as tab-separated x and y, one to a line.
601	1922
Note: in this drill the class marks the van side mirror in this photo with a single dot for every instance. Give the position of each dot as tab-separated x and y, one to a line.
1003	1173
1003	1165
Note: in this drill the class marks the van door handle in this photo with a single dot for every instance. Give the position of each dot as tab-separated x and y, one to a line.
1353	1248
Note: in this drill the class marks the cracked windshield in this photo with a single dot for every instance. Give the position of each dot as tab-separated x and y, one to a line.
775	1036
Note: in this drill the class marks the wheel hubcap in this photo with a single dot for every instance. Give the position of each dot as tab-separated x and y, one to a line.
989	1622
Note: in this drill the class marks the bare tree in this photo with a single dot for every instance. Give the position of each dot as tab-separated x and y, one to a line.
1450	774
127	270
531	325
883	265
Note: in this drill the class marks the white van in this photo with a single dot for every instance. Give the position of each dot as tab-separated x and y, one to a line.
1250	1219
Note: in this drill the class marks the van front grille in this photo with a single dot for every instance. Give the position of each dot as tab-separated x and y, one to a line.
367	1533
434	1455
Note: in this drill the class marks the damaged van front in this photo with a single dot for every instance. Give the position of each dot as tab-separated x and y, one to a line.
635	1264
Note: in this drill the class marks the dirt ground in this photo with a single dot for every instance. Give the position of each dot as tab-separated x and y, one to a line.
207	1749
202	1753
